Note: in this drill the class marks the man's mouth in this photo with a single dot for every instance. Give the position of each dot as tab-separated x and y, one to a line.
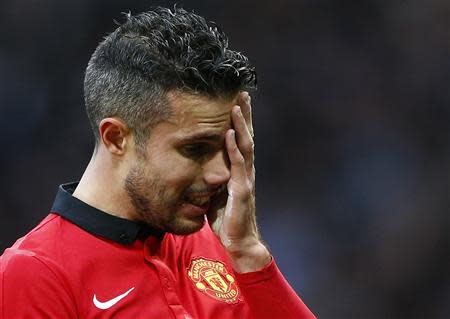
201	199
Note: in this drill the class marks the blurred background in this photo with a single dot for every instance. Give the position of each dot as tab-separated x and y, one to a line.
352	122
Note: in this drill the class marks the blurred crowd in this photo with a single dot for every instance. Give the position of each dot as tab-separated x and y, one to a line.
352	119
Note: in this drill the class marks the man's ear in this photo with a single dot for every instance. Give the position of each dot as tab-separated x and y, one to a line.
114	134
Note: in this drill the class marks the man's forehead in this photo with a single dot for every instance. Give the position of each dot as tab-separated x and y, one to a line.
199	108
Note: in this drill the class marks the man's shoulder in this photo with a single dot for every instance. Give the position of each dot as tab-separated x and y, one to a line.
35	239
17	264
44	243
31	255
30	275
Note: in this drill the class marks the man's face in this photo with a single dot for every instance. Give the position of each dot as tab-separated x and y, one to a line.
184	166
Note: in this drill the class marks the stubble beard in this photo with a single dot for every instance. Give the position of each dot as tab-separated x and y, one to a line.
153	203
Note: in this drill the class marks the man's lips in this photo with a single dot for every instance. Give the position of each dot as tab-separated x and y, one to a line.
196	210
201	195
202	198
199	199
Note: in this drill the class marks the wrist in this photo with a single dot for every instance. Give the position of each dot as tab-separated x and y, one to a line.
248	256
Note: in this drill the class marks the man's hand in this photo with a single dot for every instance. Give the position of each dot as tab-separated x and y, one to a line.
235	224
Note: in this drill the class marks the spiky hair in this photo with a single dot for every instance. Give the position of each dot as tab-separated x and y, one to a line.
155	52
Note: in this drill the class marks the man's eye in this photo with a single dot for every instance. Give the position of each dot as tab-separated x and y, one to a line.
196	150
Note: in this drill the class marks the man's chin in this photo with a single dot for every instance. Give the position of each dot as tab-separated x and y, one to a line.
187	226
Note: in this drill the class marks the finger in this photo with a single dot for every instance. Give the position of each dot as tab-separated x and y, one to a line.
237	162
244	138
245	104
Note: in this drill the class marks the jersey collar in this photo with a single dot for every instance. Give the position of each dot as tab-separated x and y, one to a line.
97	222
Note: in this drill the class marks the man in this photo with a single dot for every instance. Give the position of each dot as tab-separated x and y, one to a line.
162	223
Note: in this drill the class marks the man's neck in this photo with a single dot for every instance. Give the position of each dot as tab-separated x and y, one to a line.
99	187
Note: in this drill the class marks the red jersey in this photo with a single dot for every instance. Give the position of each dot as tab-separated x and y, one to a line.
80	262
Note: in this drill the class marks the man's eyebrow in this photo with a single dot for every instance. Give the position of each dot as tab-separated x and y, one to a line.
210	137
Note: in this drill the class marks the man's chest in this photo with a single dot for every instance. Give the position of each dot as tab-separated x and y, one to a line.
176	282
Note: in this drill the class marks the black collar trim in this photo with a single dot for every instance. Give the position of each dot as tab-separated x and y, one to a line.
97	222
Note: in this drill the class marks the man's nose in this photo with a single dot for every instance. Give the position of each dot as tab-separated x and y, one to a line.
217	170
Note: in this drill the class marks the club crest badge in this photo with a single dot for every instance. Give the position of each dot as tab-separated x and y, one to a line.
212	278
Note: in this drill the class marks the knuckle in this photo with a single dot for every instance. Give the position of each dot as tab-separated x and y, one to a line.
234	148
240	160
248	112
244	191
248	189
248	146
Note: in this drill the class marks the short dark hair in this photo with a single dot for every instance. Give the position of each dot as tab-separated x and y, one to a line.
155	52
